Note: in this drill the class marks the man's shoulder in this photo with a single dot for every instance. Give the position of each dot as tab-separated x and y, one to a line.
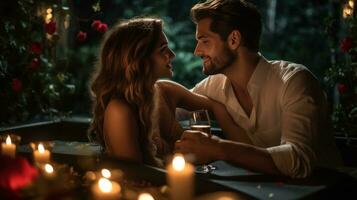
212	82
286	70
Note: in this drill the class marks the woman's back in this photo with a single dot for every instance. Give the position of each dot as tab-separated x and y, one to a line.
121	134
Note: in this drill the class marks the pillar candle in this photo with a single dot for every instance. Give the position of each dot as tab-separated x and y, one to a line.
180	177
8	148
41	155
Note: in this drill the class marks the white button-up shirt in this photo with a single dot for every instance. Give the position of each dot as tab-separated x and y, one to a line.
289	115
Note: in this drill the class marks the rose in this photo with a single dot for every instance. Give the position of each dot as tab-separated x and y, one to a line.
81	36
346	44
50	27
99	26
35	64
36	48
96	24
342	88
103	28
16	173
16	85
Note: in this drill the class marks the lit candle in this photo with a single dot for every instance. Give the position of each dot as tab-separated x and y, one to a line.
348	9
180	179
8	148
106	173
41	155
351	3
145	196
49	172
105	189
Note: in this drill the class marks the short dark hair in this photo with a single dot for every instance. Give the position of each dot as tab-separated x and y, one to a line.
229	15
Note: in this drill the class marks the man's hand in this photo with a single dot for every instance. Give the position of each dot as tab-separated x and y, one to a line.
204	148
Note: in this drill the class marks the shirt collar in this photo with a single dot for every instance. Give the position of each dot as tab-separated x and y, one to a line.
260	73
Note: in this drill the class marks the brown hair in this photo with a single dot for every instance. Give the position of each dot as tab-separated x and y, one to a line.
229	15
124	71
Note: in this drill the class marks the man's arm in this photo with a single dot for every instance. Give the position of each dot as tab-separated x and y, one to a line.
191	101
208	149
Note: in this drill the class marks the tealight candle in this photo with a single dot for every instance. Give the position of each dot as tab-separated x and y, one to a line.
145	196
105	189
180	179
8	148
49	171
41	155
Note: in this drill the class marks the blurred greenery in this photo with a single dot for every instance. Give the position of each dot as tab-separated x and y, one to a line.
293	30
298	34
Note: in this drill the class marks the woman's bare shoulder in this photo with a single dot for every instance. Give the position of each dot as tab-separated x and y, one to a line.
170	88
118	109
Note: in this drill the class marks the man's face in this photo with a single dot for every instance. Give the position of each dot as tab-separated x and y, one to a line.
214	52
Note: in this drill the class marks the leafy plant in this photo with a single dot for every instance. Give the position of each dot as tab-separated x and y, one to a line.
342	75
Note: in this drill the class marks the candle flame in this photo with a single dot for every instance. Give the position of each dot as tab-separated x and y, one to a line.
49	168
347	12
41	149
49	10
105	185
145	196
106	173
351	3
178	163
8	140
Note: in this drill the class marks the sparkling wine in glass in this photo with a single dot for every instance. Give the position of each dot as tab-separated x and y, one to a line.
200	121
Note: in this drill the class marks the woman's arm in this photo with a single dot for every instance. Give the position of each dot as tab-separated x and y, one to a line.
181	97
121	132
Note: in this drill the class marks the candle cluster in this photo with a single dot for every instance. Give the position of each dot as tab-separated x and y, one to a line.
180	175
105	189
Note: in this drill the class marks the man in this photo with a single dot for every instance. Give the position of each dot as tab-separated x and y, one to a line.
279	104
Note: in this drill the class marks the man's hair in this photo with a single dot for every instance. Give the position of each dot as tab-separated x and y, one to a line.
229	15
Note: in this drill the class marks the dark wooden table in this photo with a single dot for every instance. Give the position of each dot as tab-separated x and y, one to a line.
323	184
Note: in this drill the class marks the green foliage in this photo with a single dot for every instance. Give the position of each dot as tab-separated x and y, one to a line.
342	75
60	85
31	83
298	34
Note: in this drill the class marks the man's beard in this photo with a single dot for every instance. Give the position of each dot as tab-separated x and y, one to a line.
219	63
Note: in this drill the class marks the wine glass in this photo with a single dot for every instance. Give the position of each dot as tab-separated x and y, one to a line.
200	121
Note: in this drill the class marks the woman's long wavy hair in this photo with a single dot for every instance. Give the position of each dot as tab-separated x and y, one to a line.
124	71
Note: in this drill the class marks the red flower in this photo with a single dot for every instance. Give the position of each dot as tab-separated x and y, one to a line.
103	28
342	88
16	173
35	64
36	48
81	36
96	24
346	44
50	27
16	85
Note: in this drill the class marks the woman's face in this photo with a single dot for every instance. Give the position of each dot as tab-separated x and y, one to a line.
162	57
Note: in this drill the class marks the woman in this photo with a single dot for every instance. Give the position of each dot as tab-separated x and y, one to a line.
133	112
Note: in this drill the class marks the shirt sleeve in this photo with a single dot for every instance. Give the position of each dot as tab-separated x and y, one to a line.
201	87
301	101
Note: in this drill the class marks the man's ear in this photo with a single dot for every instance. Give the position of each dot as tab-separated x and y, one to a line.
234	39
